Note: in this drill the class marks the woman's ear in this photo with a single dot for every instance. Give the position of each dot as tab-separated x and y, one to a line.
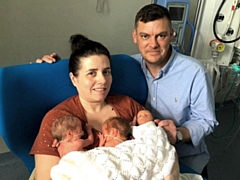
73	78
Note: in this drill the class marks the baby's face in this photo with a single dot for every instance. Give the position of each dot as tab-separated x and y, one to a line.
144	116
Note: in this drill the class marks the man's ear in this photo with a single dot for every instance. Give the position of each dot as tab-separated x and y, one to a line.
134	35
73	78
172	34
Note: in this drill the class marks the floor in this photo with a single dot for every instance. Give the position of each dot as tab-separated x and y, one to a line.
223	145
11	167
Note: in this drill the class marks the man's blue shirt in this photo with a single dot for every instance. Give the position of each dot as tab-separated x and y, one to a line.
183	92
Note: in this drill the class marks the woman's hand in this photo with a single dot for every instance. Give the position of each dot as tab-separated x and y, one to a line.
88	128
170	129
49	58
90	138
134	122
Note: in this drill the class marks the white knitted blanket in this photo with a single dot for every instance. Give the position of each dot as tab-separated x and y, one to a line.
148	157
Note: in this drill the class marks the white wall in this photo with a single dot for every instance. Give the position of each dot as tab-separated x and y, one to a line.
30	28
201	48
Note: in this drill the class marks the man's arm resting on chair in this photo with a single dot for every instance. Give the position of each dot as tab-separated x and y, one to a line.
43	165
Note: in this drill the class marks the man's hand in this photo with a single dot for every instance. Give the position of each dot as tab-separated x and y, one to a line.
170	129
49	58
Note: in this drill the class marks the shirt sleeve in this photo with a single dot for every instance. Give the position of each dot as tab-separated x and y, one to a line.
202	112
44	139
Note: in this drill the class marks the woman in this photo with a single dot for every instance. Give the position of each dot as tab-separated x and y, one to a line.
90	73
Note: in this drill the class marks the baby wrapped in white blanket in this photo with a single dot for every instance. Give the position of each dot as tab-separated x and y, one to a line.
148	157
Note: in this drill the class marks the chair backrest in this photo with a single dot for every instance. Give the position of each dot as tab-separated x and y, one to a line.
28	91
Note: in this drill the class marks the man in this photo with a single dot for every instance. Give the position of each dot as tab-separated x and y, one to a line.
180	88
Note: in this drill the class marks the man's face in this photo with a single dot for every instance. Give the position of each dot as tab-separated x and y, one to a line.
153	40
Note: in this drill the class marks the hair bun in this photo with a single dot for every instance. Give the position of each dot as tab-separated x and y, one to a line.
77	40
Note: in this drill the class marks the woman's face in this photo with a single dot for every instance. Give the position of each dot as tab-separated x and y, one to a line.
94	78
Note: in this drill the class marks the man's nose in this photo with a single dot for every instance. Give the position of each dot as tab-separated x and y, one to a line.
153	42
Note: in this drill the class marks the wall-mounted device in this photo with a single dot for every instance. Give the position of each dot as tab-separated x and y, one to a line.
178	10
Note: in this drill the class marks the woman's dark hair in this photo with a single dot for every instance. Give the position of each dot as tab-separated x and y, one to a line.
85	48
76	40
151	12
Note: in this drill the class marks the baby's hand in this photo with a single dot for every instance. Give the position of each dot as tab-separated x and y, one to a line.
100	135
102	139
55	143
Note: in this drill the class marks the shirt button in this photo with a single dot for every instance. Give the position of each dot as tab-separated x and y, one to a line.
154	99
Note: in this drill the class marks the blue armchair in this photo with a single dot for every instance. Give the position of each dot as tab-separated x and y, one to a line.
28	91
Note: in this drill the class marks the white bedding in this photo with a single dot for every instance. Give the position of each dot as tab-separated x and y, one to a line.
148	157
